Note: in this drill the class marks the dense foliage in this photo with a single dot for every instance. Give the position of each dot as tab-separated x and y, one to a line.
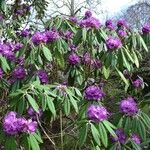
72	84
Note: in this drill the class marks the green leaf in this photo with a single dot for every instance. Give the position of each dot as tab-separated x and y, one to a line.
10	144
122	77
145	118
109	128
95	134
4	63
51	105
142	130
83	134
106	72
33	142
128	54
67	106
135	146
84	34
74	103
47	53
103	134
127	124
143	43
38	137
136	61
33	103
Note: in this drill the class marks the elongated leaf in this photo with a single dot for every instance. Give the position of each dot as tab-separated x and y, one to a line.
4	63
83	134
47	53
74	103
142	130
103	134
33	142
136	61
108	127
84	34
33	103
122	77
51	105
95	134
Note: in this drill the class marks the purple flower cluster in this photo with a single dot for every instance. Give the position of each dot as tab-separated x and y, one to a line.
96	64
88	14
122	33
137	83
136	138
19	73
68	35
74	59
109	24
146	29
97	113
73	19
87	58
89	22
93	92
121	137
121	23
45	37
25	32
7	51
113	43
42	76
129	107
13	125
62	89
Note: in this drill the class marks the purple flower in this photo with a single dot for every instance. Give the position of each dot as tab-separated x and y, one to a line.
34	114
13	125
1	73
73	19
74	59
109	24
52	35
42	76
68	35
122	33
62	89
39	37
97	113
73	47
93	92
146	29
31	126
96	64
137	83
19	73
19	12
87	59
90	23
136	138
18	46
25	32
88	14
121	137
6	50
20	60
129	107
121	23
9	123
113	43
20	124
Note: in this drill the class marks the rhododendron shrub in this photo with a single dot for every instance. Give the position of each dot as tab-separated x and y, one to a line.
53	80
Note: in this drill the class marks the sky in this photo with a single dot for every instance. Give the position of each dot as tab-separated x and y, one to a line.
112	7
